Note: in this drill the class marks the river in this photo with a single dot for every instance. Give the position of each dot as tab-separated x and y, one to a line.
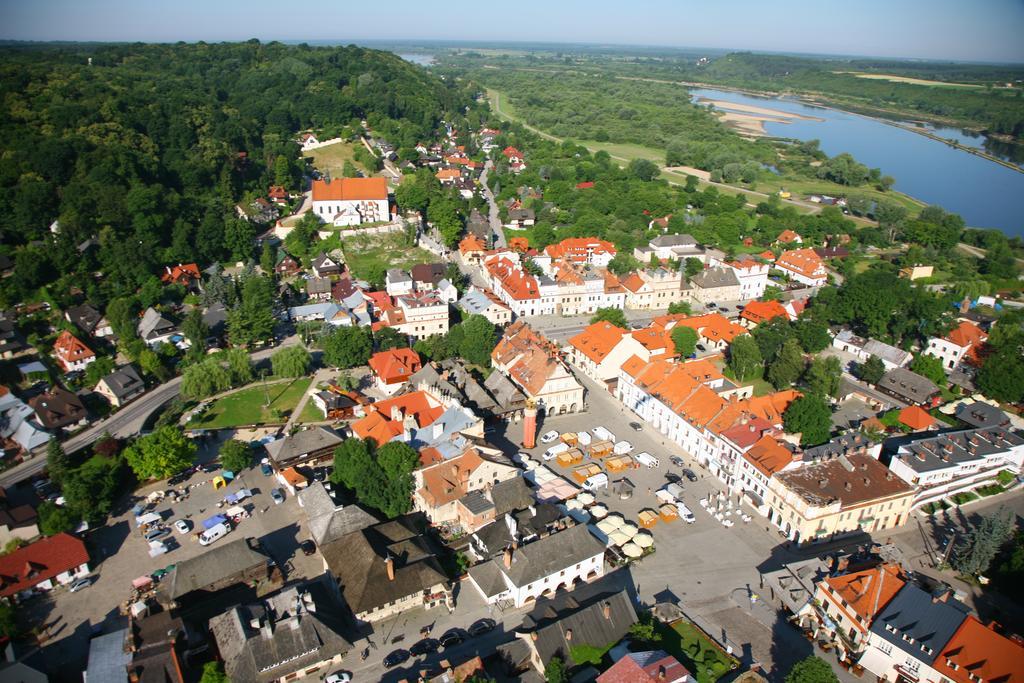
986	194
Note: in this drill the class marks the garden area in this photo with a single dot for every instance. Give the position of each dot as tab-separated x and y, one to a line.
249	406
932	508
695	651
370	256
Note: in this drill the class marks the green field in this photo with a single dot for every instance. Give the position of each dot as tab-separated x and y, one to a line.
331	159
248	406
310	413
369	256
695	651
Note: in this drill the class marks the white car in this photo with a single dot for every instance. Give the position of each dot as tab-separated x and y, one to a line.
80	584
549	436
183	526
584	438
555	451
340	677
622	447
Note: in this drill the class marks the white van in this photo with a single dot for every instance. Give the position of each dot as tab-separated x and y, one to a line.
213	533
597	481
554	451
646	459
603	434
584	438
685	513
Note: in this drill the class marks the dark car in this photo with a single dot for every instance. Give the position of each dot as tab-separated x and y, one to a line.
308	547
425	647
179	478
689	474
481	626
673	478
320	474
395	658
677	461
636	426
452	637
265	469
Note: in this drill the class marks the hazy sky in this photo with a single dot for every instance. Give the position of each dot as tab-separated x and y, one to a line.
983	30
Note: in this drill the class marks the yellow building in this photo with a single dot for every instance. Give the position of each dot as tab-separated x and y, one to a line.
842	495
917	272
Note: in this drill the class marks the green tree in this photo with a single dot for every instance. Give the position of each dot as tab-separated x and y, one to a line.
930	367
974	555
680	307
8	620
615	316
282	171
813	335
787	366
555	671
213	672
291	361
121	314
347	347
823	376
685	340
195	330
90	490
397	461
98	369
235	455
810	417
693	266
1002	375
239	235
204	379
772	293
479	337
812	669
871	370
644	631
389	338
745	358
643	169
267	261
161	454
623	263
57	463
54	519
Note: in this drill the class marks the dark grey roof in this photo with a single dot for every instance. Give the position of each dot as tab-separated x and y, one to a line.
318	285
215	318
302	443
681	240
715	277
108	657
450	377
153	325
428	272
595	617
84	317
953	448
845	444
511	494
919	624
214	565
326	520
398	275
505	392
521	215
322	260
124	381
981	414
908	385
549	555
476	502
358	560
284	633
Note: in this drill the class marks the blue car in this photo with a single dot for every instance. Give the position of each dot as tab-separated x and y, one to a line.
265	469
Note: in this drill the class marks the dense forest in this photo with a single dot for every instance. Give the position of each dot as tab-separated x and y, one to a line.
146	149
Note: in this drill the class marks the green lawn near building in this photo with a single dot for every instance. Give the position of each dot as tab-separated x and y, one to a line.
249	405
704	659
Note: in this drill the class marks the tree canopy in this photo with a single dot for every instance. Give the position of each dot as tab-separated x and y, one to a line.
615	316
811	669
810	417
161	454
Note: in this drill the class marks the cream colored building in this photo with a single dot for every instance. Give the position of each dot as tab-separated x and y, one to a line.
714	285
842	495
917	272
534	364
654	289
419	315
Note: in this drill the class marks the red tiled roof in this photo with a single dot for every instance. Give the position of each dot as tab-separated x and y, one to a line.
471	244
970	336
579	248
802	261
448	173
585	185
758	312
513	279
395	365
916	418
979	651
350	189
519	244
183	273
661	666
768	456
277	192
597	340
787	236
866	592
379	424
512	152
69	349
633	282
712	326
39	561
449	480
529	356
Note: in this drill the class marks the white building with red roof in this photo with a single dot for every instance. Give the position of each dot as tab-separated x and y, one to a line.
71	353
590	250
41	566
803	266
351	201
751	273
960	346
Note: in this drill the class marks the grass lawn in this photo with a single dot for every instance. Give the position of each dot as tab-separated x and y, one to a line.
931	508
990	490
802	187
762	387
310	413
695	651
1005	477
965	497
332	158
365	254
247	407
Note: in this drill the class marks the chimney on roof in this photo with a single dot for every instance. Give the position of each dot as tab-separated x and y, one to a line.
606	609
397	414
662	672
848	486
822	483
941	596
508	557
389	563
568	634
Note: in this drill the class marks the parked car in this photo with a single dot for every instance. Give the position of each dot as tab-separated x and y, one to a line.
340	677
156	533
548	437
481	626
684	513
603	434
452	637
183	526
555	451
80	584
425	647
701	347
277	495
265	469
689	474
622	447
677	461
308	547
396	658
636	426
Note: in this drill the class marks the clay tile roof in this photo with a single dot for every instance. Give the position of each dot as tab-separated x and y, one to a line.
802	261
450	480
633	366
446	173
350	189
867	592
655	340
768	456
39	561
978	650
633	282
182	273
916	418
578	248
968	334
471	243
597	340
70	349
395	365
713	326
379	424
585	185
787	236
758	312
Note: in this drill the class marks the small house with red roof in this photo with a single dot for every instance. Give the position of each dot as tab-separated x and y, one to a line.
71	353
789	237
977	653
472	248
917	418
398	417
513	155
184	274
585	185
41	566
653	666
278	195
803	266
757	312
392	368
447	176
961	346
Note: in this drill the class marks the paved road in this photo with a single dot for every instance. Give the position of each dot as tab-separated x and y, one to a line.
493	214
124	423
